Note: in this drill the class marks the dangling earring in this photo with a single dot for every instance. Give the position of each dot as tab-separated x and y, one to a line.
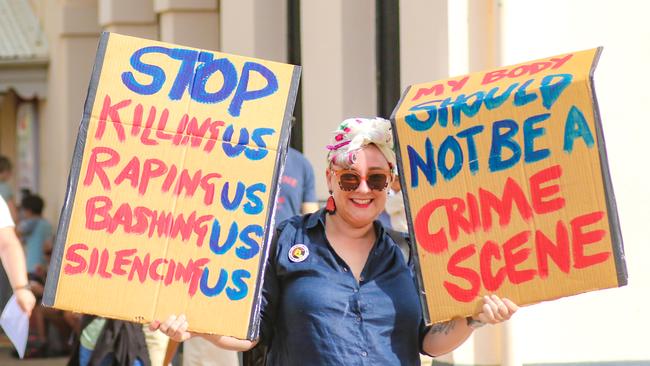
330	207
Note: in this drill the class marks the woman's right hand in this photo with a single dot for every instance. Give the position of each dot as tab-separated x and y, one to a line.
174	327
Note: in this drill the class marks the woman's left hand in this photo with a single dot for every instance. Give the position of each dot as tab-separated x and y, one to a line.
496	310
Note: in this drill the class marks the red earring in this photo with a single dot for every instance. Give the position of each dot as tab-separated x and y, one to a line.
330	207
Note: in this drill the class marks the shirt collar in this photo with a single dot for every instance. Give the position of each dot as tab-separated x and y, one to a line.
318	217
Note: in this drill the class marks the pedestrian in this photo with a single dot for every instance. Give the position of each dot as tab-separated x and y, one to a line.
337	287
13	261
297	188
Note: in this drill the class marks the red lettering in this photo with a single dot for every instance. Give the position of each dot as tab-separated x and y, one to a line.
455	210
103	265
538	193
558	253
140	267
434	243
503	207
491	282
513	258
162	124
214	135
457	84
96	166
130	172
152	168
580	239
121	259
153	269
436	89
94	260
112	112
560	61
468	274
137	119
208	188
72	256
98	206
493	76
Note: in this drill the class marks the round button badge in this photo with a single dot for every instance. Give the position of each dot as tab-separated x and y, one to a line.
298	253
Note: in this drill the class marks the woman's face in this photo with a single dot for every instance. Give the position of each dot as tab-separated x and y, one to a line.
361	206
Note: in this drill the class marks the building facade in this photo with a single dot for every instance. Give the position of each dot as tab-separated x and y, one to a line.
357	57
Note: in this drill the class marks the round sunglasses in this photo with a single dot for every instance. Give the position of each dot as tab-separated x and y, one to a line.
349	180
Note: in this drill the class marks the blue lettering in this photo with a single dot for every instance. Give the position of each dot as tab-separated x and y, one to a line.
216	233
461	105
522	97
550	92
257	139
253	247
228	204
416	161
203	74
218	287
236	149
242	289
243	94
157	74
185	71
530	134
255	205
471	146
492	101
450	144
576	126
499	141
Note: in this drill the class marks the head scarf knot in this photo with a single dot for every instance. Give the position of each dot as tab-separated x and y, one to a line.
355	133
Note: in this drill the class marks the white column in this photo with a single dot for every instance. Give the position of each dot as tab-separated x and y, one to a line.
339	72
133	18
74	31
255	28
193	23
424	41
484	34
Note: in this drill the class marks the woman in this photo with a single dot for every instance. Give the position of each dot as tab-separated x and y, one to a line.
337	288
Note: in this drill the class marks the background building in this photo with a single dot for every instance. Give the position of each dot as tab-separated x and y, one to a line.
357	57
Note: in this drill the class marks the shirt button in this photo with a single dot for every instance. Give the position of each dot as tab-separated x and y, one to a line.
364	354
345	269
355	290
359	319
361	279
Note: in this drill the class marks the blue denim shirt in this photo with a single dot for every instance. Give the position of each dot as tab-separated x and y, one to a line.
314	312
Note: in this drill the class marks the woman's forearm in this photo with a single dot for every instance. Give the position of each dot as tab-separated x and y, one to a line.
229	343
445	337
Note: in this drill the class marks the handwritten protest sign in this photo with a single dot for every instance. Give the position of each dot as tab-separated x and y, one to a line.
172	186
507	185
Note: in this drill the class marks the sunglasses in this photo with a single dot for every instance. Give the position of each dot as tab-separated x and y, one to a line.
349	180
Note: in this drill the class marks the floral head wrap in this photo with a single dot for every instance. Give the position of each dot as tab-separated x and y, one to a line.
355	133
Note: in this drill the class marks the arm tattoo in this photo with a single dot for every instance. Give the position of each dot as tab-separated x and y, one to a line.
445	327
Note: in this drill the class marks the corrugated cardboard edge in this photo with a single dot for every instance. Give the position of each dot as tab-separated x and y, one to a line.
283	144
612	212
49	296
407	207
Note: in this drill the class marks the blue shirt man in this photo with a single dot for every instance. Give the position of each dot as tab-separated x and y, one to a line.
297	188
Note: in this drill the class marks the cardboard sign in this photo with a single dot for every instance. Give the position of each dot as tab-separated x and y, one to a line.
172	186
507	186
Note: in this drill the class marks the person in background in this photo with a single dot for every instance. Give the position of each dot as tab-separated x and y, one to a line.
13	261
395	207
7	193
297	188
35	232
